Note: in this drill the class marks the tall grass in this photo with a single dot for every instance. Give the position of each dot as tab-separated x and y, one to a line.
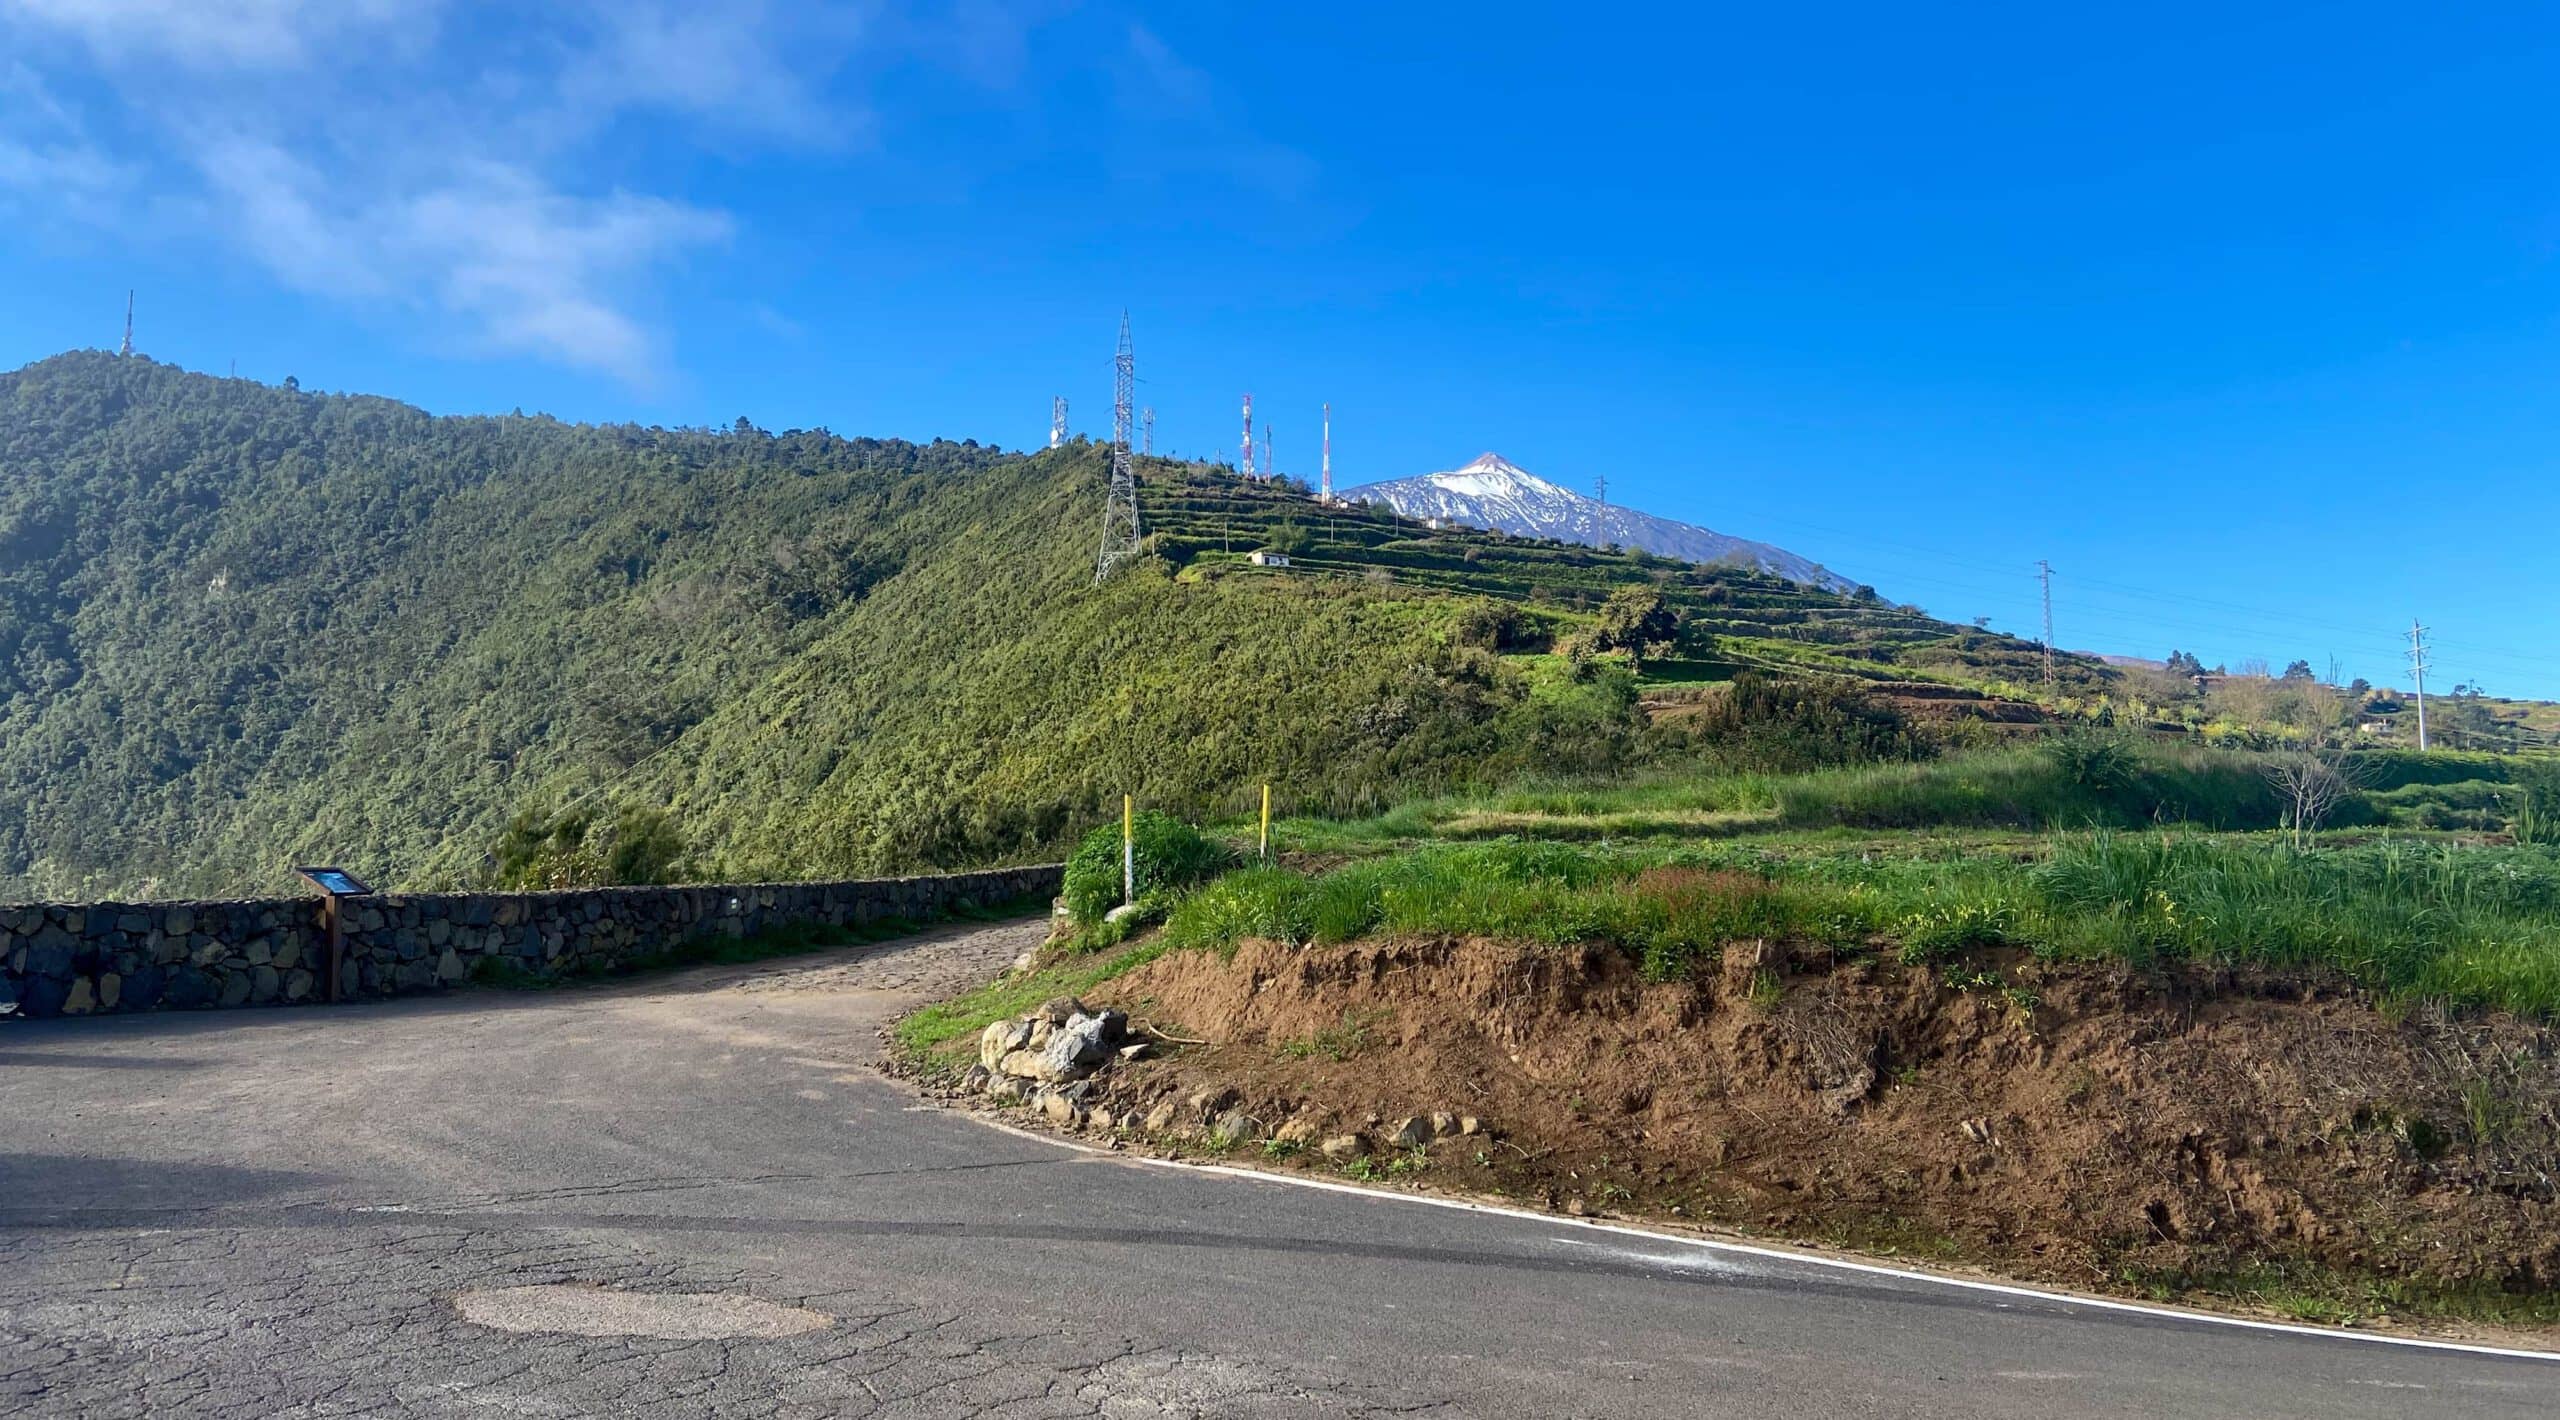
2035	787
2470	926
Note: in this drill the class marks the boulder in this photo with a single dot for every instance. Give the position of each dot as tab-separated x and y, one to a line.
976	1079
1061	1110
1080	1045
1005	1089
1469	1124
1237	1127
1304	1129
1000	1039
1342	1148
1162	1117
1443	1124
1206	1104
1028	1065
1413	1133
1057	1009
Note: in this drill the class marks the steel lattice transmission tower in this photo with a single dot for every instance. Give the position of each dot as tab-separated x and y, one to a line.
1244	451
1120	531
1057	421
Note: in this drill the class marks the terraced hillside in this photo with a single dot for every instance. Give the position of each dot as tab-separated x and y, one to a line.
241	625
1730	618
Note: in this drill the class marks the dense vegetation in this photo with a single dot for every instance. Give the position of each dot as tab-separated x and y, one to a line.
242	625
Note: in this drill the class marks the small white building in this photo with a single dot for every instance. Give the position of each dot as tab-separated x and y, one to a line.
1265	557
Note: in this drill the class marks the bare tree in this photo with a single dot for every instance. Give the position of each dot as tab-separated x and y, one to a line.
2312	782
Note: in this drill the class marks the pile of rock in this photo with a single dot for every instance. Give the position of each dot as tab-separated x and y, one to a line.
1047	1058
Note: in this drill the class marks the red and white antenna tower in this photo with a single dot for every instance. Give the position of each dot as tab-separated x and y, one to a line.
1328	452
1245	466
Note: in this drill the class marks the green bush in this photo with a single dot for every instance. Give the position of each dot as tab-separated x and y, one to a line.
1171	855
2536	814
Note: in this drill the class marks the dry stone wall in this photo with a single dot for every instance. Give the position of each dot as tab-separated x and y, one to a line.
86	958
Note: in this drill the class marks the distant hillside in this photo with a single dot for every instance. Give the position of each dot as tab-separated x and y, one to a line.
243	625
1493	492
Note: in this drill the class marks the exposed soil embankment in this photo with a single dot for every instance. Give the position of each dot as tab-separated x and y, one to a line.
2076	1122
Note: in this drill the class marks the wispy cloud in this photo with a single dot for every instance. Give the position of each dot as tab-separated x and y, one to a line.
373	152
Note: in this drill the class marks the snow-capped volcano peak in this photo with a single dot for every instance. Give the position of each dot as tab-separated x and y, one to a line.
1491	491
1491	475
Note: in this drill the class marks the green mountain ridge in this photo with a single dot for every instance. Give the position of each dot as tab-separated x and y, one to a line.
243	625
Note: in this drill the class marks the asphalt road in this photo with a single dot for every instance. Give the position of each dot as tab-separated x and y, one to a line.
694	1197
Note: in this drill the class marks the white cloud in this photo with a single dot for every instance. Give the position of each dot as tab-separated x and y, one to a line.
212	34
407	156
532	270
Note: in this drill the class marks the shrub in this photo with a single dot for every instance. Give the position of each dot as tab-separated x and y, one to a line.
2536	818
1775	726
2103	764
1171	855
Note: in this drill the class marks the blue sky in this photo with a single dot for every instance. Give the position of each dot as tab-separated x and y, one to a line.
2250	322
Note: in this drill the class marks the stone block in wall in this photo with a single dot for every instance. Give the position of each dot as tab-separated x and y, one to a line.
190	987
143	988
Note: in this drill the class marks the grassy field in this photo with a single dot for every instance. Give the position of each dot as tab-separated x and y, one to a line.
2464	925
2107	850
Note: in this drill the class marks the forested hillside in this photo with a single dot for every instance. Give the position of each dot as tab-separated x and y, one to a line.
243	625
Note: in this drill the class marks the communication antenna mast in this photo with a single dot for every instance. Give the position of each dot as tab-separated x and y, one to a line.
2044	572
1270	460
1245	457
1147	439
1120	503
1600	527
1057	421
1327	492
2418	670
127	348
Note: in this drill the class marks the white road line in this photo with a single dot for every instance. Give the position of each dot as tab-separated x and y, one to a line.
1810	1259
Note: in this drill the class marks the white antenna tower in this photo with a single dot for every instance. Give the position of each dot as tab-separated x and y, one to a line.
2418	670
1120	503
1327	492
1057	421
1246	453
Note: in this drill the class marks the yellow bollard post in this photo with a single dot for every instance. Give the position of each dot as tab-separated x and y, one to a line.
1266	823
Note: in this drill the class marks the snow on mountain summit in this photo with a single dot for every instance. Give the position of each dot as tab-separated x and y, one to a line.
1493	492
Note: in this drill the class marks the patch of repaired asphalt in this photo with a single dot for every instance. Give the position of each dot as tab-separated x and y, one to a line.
581	1310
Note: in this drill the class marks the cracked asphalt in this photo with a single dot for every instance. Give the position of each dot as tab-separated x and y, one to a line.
282	1213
